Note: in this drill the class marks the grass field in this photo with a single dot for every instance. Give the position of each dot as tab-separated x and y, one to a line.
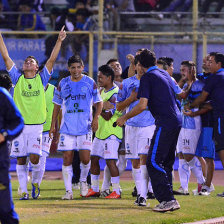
50	209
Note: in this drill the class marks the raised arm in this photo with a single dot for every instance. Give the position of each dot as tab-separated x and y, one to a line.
50	62
5	54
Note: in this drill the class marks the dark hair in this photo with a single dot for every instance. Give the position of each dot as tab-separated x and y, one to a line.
219	57
140	50
112	60
163	63
5	81
168	60
189	64
136	60
147	58
32	58
75	59
107	71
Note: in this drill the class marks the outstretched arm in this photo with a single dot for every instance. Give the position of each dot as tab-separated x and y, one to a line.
50	62
5	54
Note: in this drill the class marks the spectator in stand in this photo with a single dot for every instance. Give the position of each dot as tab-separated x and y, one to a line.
206	4
6	21
29	22
145	5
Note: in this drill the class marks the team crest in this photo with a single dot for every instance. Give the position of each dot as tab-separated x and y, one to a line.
29	86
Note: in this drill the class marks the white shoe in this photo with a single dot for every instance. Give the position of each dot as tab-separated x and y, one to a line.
212	188
76	186
83	189
68	196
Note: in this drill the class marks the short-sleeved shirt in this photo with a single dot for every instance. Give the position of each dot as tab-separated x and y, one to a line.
143	119
76	100
214	85
156	86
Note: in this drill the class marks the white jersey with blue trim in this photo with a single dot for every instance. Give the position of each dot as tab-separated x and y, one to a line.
143	119
187	121
76	100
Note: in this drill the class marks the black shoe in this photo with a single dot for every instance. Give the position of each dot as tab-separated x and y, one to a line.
150	195
221	195
134	193
137	199
141	201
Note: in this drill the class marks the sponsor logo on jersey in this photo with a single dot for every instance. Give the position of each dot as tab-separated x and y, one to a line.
30	94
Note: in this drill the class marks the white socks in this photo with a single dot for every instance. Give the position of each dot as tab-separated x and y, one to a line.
42	167
136	173
67	173
184	173
195	166
35	172
144	181
95	181
21	171
121	164
106	179
115	184
84	171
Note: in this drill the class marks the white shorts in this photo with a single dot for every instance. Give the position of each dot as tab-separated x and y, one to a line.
188	140
73	142
137	140
106	149
46	143
28	142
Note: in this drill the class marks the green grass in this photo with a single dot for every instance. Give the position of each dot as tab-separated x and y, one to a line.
50	209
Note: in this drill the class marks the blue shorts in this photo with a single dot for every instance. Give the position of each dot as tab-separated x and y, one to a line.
219	134
206	146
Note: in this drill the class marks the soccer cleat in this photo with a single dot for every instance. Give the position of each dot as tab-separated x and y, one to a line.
166	206
35	190
105	193
113	195
205	191
83	189
137	199
212	188
92	193
134	192
221	195
141	201
150	195
68	196
198	190
181	191
25	196
19	191
76	186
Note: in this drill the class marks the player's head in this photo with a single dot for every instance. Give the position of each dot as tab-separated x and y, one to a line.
169	62
116	66
188	70
105	76
205	64
147	58
138	68
5	81
30	64
216	61
162	64
139	51
75	66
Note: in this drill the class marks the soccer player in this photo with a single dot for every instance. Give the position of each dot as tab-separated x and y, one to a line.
138	133
107	138
30	99
122	162
11	125
190	131
75	96
214	88
156	92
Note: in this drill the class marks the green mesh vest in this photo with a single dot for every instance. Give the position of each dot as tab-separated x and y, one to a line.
49	93
105	128
30	99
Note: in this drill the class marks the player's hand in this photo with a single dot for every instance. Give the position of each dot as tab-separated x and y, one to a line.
121	121
108	105
52	132
62	34
189	113
131	58
94	124
133	96
2	138
187	107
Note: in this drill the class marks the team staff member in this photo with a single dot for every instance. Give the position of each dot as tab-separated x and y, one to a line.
157	93
11	125
30	99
